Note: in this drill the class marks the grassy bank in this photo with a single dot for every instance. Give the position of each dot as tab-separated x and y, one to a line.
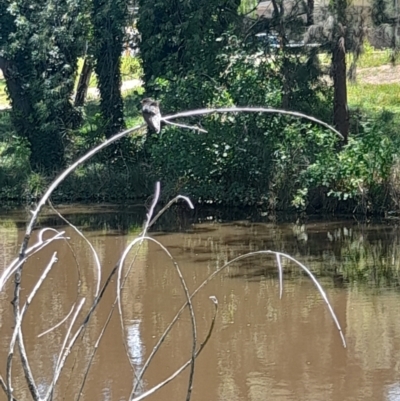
373	97
276	163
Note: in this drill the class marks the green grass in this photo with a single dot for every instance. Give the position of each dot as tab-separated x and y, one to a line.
371	58
375	97
3	95
375	58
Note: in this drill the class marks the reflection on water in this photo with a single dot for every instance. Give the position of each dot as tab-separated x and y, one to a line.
262	347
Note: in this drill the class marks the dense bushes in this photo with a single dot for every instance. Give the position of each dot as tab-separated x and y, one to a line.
244	159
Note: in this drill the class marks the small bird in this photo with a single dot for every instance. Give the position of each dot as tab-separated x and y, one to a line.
151	114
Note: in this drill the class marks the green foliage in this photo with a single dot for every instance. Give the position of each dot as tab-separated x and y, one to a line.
177	37
131	68
242	160
361	170
381	12
39	46
248	6
14	166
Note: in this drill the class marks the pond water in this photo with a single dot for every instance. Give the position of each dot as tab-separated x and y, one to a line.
262	347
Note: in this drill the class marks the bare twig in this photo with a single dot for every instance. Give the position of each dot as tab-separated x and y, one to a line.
64	351
280	271
128	248
169	204
216	272
4	387
321	291
121	286
61	178
96	346
183	367
192	127
39	245
121	262
152	207
80	233
17	336
59	323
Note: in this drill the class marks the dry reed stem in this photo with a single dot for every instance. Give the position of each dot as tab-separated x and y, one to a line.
121	286
17	265
183	367
211	276
280	271
58	324
95	255
18	337
64	352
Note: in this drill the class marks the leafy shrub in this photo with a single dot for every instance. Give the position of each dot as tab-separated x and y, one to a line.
359	171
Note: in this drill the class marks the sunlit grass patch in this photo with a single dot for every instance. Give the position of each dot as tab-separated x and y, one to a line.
3	95
369	59
375	97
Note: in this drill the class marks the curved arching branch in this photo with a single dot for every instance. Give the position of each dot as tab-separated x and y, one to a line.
267	110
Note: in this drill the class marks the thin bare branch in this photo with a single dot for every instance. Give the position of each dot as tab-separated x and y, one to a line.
122	286
4	387
183	367
80	233
169	204
321	291
61	178
64	352
122	261
210	277
39	245
128	248
280	271
18	337
96	346
152	207
58	324
192	127
199	112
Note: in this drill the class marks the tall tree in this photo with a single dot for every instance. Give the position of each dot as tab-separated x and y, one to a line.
109	20
340	31
181	36
39	46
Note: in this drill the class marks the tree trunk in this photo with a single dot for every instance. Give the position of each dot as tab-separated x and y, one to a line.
83	84
19	102
47	149
340	109
109	18
310	12
286	89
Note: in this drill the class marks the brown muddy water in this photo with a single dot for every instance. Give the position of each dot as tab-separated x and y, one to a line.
262	347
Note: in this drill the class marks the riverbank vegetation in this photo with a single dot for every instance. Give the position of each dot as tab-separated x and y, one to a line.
270	161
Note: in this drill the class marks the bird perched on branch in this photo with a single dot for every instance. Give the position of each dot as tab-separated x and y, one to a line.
151	114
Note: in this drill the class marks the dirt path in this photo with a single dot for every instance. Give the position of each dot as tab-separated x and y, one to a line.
385	74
